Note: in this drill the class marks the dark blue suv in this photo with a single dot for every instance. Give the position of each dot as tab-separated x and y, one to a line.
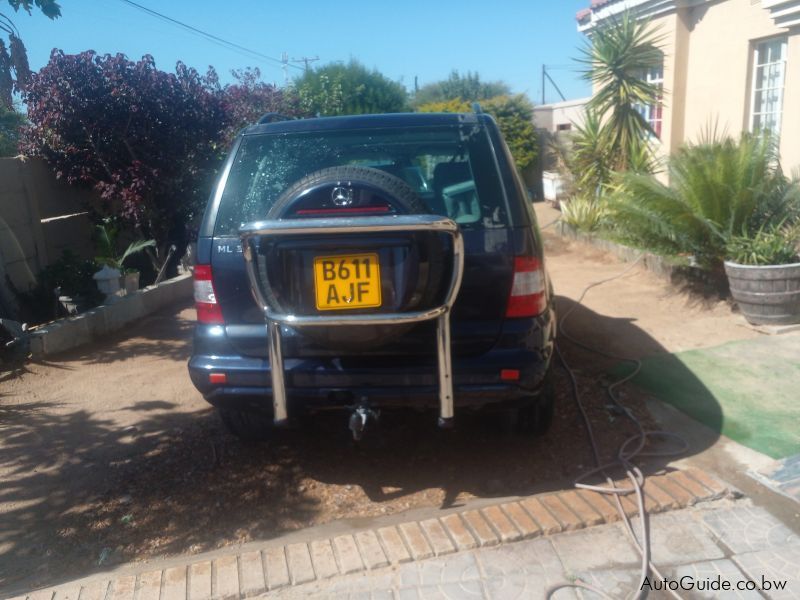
354	171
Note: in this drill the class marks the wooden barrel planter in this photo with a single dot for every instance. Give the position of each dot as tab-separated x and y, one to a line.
766	295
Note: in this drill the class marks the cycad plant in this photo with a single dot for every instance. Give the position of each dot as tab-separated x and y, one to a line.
615	61
719	189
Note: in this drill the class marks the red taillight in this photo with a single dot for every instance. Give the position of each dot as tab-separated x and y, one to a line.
528	296
509	374
205	299
217	378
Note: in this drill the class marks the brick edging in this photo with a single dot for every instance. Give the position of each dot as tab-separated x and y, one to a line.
255	572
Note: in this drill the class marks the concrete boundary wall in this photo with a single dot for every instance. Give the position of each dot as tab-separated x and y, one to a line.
69	333
40	217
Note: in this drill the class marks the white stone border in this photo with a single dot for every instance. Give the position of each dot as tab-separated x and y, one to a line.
71	332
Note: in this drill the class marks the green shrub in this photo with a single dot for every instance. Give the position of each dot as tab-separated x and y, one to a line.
514	116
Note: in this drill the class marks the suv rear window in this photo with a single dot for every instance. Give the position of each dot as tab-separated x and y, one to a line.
451	168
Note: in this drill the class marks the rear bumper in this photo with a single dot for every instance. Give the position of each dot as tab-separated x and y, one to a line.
320	384
525	345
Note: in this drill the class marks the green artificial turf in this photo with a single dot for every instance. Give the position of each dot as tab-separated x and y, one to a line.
747	390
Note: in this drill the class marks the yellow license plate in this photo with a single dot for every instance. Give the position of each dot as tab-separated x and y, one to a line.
347	281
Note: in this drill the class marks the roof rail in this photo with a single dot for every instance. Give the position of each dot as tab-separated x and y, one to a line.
273	116
476	108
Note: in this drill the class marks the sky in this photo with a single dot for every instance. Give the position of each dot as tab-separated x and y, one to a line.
426	39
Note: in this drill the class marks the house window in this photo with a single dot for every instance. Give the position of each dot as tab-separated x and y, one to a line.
654	113
769	72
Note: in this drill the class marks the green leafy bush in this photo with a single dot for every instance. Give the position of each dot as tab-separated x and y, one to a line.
456	105
349	89
467	88
514	116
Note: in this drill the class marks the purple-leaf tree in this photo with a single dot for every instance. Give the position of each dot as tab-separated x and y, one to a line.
249	98
148	141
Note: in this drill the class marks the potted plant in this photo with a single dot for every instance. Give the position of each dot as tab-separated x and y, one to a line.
763	271
107	255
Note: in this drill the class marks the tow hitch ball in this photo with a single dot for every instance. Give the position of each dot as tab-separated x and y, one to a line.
361	414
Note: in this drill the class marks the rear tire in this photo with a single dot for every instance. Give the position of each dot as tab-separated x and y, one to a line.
536	418
249	426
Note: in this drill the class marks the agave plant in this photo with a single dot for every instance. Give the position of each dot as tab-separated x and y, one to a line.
107	247
584	214
719	189
620	52
774	245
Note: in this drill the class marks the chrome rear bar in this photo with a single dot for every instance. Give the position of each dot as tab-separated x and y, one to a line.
274	318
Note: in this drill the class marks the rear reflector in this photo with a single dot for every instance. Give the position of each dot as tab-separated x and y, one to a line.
217	378
509	374
528	296
205	299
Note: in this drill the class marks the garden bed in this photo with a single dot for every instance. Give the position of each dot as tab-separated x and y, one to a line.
660	265
672	269
71	332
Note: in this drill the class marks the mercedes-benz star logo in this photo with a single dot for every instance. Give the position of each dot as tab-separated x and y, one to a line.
342	196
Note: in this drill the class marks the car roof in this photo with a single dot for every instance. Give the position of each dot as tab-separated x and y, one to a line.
379	121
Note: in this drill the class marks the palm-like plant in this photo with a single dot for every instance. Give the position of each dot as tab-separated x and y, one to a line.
107	247
589	156
719	189
620	53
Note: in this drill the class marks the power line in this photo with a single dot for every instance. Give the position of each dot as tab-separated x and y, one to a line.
208	36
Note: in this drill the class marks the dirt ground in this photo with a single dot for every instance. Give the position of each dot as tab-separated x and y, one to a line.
108	454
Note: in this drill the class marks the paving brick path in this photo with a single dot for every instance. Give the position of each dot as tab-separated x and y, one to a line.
733	541
291	566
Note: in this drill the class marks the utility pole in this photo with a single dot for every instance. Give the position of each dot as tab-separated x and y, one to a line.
544	74
306	60
545	78
285	61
